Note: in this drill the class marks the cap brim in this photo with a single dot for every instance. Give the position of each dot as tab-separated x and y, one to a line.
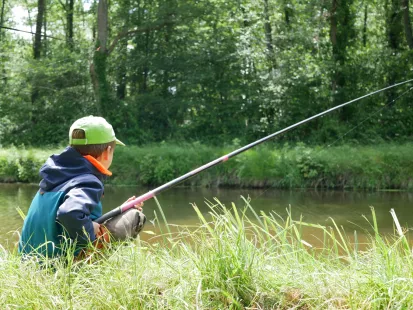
119	142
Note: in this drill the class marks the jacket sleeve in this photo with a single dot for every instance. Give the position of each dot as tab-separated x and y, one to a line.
74	212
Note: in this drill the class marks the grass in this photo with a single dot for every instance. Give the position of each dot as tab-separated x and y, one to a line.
378	167
234	259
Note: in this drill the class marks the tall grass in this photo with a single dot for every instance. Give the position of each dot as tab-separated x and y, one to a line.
235	259
384	166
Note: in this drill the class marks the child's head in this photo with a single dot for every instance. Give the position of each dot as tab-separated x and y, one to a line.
94	136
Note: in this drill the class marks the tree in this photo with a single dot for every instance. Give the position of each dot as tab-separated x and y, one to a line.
2	13
365	25
207	71
342	34
121	71
393	23
69	7
268	36
3	5
407	23
37	52
37	46
98	66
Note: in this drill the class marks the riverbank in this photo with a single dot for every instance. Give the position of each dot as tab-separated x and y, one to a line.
387	166
234	259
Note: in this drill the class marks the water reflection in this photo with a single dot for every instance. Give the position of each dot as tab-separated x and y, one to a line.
345	207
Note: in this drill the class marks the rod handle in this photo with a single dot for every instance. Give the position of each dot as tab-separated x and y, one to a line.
125	207
109	215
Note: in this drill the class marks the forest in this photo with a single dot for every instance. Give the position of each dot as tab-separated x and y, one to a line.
206	71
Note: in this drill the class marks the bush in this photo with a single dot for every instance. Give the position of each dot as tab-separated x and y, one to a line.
369	167
20	165
9	170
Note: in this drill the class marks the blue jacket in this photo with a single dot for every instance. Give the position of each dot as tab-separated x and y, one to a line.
65	205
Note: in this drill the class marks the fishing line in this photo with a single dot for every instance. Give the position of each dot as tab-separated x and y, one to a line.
358	125
224	158
371	115
2	77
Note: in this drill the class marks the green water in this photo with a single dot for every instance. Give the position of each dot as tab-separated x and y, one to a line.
347	208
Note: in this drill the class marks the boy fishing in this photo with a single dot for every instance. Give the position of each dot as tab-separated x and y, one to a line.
69	199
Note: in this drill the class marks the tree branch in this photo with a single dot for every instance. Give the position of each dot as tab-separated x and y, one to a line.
63	5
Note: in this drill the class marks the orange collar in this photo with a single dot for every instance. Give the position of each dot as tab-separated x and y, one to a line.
98	165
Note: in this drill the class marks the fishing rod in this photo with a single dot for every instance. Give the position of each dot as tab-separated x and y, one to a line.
154	192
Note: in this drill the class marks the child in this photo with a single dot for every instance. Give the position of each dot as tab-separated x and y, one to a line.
71	188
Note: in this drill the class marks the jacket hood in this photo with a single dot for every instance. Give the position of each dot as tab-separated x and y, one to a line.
60	168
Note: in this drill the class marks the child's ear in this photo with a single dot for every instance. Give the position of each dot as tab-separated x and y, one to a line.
107	152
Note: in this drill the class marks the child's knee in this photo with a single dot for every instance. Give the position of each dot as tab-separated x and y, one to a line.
126	225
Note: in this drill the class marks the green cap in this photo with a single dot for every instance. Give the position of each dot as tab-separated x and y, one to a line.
97	131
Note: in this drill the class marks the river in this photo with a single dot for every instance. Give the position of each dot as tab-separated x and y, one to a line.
345	207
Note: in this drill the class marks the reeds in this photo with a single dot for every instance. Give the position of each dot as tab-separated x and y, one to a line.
237	258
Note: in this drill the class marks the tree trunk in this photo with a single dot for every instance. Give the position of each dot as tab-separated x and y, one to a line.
246	22
98	66
394	24
165	79
365	27
123	51
288	12
333	40
37	52
102	25
268	36
37	46
69	24
3	4
44	43
121	74
2	62
333	25
144	86
93	7
287	16
342	32
394	27
407	23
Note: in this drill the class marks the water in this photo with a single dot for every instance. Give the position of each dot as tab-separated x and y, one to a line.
346	208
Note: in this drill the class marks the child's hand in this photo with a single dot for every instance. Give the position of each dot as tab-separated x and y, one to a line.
138	206
96	227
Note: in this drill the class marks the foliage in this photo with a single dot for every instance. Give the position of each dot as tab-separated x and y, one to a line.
209	71
385	166
21	165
